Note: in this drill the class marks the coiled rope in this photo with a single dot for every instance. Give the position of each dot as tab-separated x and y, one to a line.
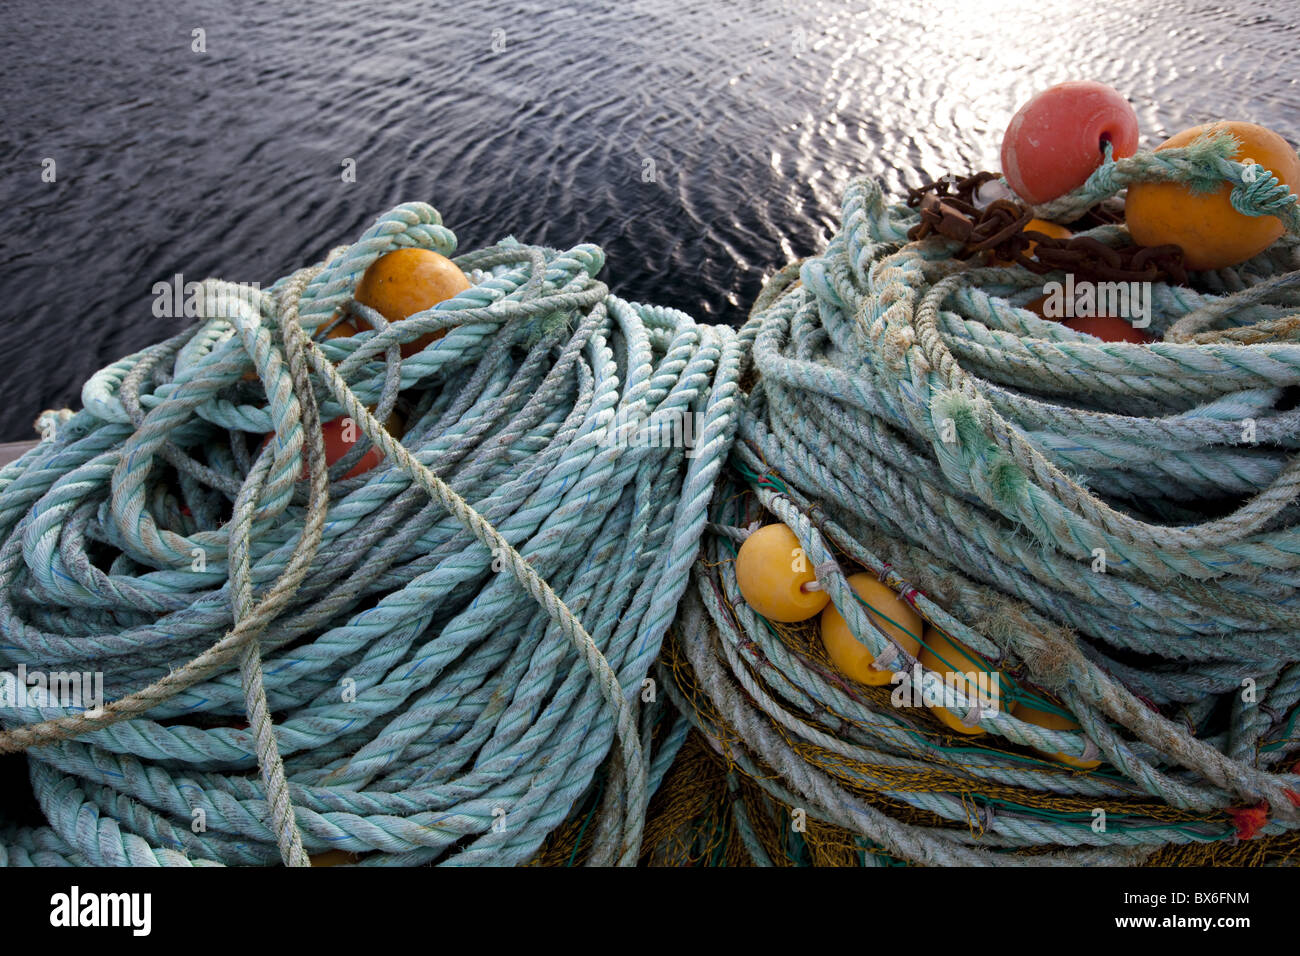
437	658
1112	524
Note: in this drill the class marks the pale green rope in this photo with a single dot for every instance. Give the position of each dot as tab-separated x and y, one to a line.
909	417
490	597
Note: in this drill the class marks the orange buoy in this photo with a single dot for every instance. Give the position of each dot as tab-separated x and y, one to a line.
1056	140
1212	234
406	281
956	664
1108	329
340	434
896	618
774	576
1050	720
344	330
1036	306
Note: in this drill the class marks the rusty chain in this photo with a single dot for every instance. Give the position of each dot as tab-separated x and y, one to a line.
947	207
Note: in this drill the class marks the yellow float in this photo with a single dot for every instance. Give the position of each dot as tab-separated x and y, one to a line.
1044	226
888	612
1050	720
953	661
405	281
1212	234
775	578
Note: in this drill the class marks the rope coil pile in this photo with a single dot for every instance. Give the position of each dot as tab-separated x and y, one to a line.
437	659
450	658
1114	525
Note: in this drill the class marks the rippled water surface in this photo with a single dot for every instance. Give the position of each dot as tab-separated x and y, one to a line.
532	119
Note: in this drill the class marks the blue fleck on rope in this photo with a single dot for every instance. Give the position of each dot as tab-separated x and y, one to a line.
911	418
436	660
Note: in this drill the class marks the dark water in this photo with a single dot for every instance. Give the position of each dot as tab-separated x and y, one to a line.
754	115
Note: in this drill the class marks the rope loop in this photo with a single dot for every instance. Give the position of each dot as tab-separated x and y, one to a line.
438	659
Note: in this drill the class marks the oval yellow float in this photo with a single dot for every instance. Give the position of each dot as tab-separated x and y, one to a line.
1212	233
